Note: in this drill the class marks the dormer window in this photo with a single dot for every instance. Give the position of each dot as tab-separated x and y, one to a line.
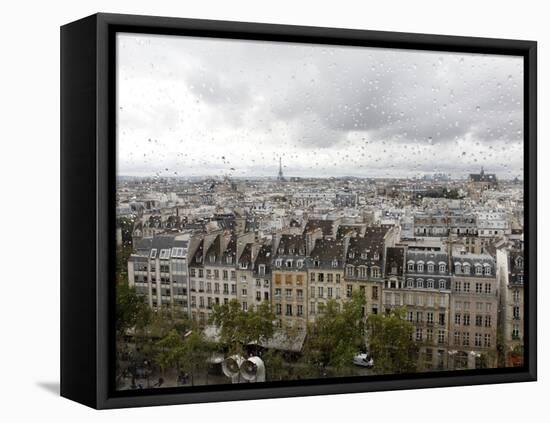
458	268
394	269
442	267
487	270
281	250
244	265
164	254
289	263
153	253
375	272
229	260
299	263
441	284
420	266
519	262
212	258
410	283
261	269
430	267
349	270
466	269
278	262
420	283
376	256
334	263
351	254
301	251
479	270
410	266
316	263
430	283
364	256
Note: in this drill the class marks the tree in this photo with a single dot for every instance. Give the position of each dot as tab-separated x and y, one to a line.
131	310
335	337
390	342
189	353
239	328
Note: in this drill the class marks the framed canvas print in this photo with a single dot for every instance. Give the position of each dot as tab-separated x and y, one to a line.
255	211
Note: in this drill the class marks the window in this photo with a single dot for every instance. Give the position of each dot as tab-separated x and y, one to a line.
466	320
334	263
315	263
289	309
375	272
410	266
420	266
479	288
337	278
362	272
374	292
429	318
441	284
466	286
329	292
288	293
245	306
516	296
478	269
261	269
420	283
515	332
349	289
487	340
457	338
299	294
288	263
479	320
442	319
349	271
320	292
487	321
410	316
430	283
299	310
312	277
487	288
153	253
278	262
487	270
477	340
277	292
457	319
466	269
258	296
441	337
458	286
419	334
466	339
429	335
430	267
442	267
320	277
410	283
299	264
458	268
419	316
376	256
278	308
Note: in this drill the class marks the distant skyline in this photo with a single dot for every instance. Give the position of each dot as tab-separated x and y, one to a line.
196	107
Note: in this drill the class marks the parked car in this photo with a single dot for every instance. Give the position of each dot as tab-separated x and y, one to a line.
363	360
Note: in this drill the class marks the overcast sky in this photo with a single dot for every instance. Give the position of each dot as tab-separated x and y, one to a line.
196	106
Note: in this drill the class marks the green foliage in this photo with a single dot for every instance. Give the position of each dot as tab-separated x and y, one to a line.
239	328
335	337
188	353
131	310
390	342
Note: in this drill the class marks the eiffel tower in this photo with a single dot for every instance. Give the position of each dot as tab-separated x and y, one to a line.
280	176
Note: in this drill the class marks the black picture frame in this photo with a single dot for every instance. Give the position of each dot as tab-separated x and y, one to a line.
88	198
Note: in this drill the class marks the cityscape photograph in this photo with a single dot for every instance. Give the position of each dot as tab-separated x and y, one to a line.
292	211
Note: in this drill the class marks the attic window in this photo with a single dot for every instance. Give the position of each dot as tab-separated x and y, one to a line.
164	254
212	258
376	256
334	263
261	269
229	260
153	253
